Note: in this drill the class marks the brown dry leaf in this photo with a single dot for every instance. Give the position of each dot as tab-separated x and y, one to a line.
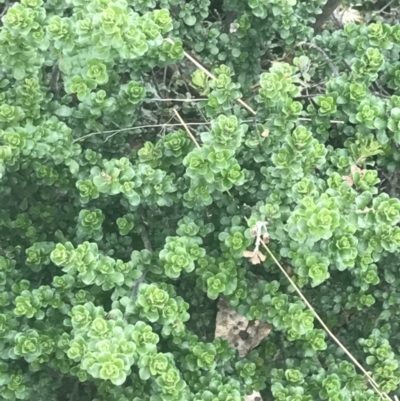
255	260
288	270
237	330
253	232
248	254
266	238
348	15
265	133
348	179
233	27
255	396
356	169
255	257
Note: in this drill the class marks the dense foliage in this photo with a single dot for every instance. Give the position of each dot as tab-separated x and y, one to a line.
118	233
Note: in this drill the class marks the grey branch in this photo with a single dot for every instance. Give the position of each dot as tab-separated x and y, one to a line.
324	55
145	238
5	9
135	288
147	244
55	75
327	11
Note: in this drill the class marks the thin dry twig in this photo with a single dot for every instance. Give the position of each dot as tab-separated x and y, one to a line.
335	71
115	132
176	100
375	13
310	119
240	101
141	127
5	9
373	383
192	137
110	136
208	73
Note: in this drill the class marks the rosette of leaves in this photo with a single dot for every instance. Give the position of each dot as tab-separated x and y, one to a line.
107	366
313	267
38	255
204	356
132	93
151	300
156	186
366	68
176	146
107	276
315	221
154	365
88	190
97	71
27	345
117	176
80	86
221	91
387	210
150	154
279	84
145	339
236	240
179	254
226	133
83	315
89	224
125	224
382	360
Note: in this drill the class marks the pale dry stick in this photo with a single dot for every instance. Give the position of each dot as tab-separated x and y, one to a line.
373	383
127	129
162	131
170	125
208	73
331	121
204	99
175	100
192	137
110	136
139	127
240	101
5	9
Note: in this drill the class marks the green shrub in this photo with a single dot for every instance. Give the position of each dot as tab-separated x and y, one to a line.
119	231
